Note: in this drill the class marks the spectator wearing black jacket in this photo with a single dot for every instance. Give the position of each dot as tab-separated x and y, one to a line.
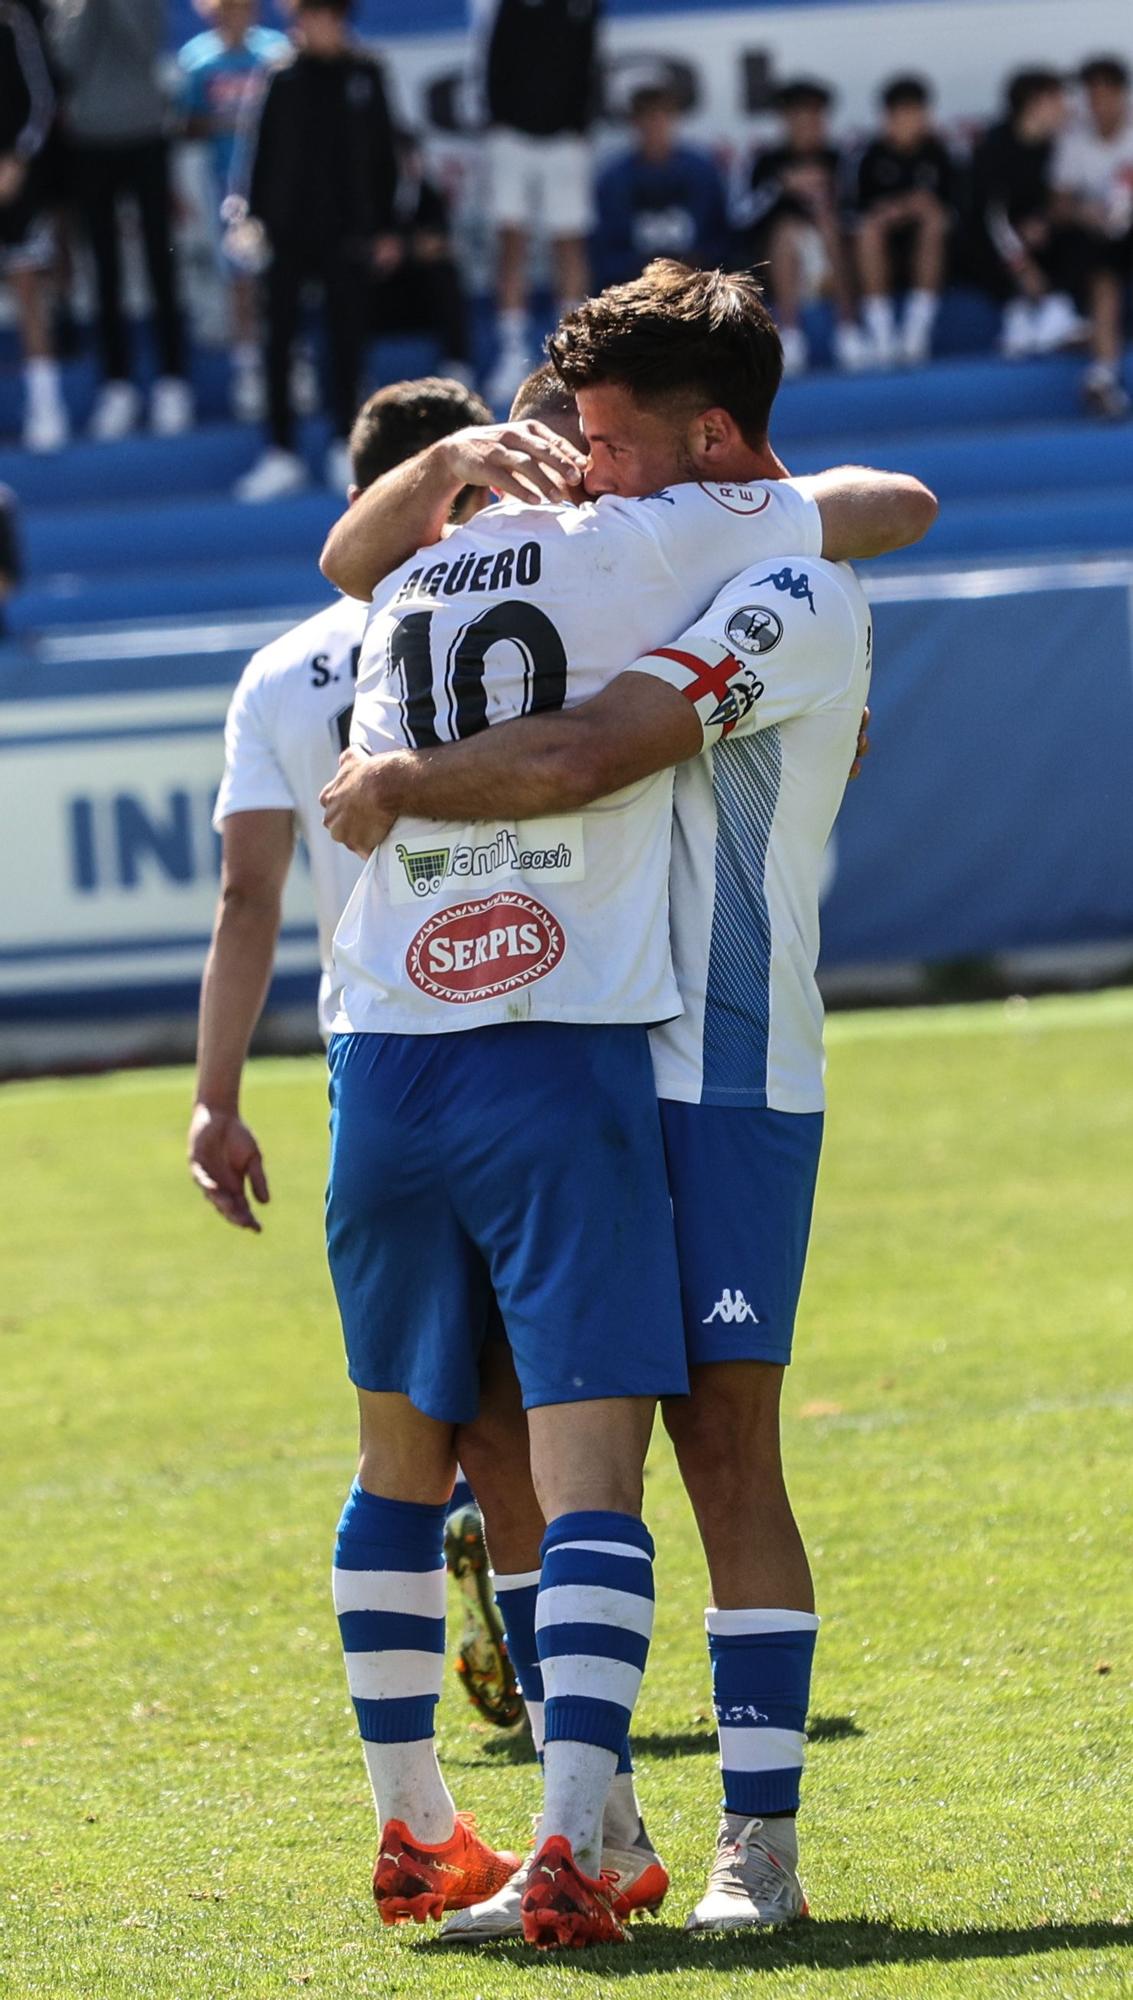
322	170
794	217
538	64
422	292
904	202
27	243
1029	262
110	52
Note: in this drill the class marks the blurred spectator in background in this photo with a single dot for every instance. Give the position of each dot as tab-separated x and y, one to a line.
11	561
659	199
540	78
1020	254
796	225
1093	179
323	170
215	68
421	291
27	240
116	113
904	195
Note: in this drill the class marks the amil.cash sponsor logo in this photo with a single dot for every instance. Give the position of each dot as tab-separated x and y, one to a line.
482	950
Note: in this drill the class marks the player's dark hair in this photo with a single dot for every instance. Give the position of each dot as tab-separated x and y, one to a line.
342	7
1105	69
404	417
541	394
902	90
1027	86
676	333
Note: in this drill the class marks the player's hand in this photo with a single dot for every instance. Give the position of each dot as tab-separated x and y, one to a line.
13	174
356	809
862	751
223	1157
524	461
388	252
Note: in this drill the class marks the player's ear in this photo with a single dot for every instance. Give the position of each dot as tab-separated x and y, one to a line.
713	440
353	493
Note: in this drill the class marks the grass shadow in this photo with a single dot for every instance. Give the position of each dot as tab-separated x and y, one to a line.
830	1945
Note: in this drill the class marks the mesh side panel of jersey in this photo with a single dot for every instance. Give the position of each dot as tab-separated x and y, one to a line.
745	780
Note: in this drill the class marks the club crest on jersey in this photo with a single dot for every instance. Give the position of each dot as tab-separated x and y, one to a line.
754	629
795	587
486	949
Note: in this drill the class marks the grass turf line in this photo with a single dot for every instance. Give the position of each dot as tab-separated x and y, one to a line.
183	1810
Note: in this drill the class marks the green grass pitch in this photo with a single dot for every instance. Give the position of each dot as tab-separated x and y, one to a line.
183	1809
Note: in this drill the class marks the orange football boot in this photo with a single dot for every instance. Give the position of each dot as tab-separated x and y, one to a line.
414	1881
562	1906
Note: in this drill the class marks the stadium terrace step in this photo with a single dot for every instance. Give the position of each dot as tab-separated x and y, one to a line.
275	585
1033	459
950	393
175	534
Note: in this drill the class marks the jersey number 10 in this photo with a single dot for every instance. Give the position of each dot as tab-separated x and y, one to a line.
461	687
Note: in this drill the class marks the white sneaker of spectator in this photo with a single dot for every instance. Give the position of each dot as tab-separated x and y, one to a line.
513	364
881	332
459	371
921	309
1017	333
851	348
795	350
273	477
247	386
46	423
171	407
337	468
1058	323
116	412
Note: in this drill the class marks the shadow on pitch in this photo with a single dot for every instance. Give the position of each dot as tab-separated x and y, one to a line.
513	1746
831	1946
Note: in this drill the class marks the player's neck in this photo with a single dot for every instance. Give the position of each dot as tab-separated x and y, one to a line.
746	463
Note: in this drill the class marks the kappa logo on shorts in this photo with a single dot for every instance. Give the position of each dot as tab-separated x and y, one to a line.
482	950
733	1309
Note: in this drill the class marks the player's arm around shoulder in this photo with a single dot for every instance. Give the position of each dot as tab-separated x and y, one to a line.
866	513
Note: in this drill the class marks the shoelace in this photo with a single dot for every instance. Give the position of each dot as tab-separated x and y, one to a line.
758	1867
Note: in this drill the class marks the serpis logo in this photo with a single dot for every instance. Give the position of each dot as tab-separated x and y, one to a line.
483	950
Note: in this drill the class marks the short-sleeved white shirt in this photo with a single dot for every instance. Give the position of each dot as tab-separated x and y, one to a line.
524	609
288	721
778	669
1097	169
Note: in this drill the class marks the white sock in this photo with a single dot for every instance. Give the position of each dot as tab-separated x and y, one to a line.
920	311
621	1821
406	1778
575	1776
513	328
878	316
42	377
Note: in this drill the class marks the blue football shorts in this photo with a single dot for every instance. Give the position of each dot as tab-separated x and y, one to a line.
520	1164
742	1182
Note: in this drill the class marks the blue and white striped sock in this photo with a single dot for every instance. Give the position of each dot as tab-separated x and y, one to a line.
593	1623
389	1593
761	1668
516	1596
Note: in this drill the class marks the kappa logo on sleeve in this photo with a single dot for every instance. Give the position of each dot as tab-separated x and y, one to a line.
483	950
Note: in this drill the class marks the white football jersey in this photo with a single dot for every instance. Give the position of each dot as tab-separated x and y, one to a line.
778	669
521	610
288	721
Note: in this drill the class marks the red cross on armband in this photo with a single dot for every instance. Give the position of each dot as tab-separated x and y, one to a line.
715	681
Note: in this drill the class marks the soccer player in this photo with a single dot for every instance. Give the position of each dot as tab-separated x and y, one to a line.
288	720
489	1158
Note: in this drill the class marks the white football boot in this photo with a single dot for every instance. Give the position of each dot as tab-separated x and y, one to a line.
754	1883
637	1876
